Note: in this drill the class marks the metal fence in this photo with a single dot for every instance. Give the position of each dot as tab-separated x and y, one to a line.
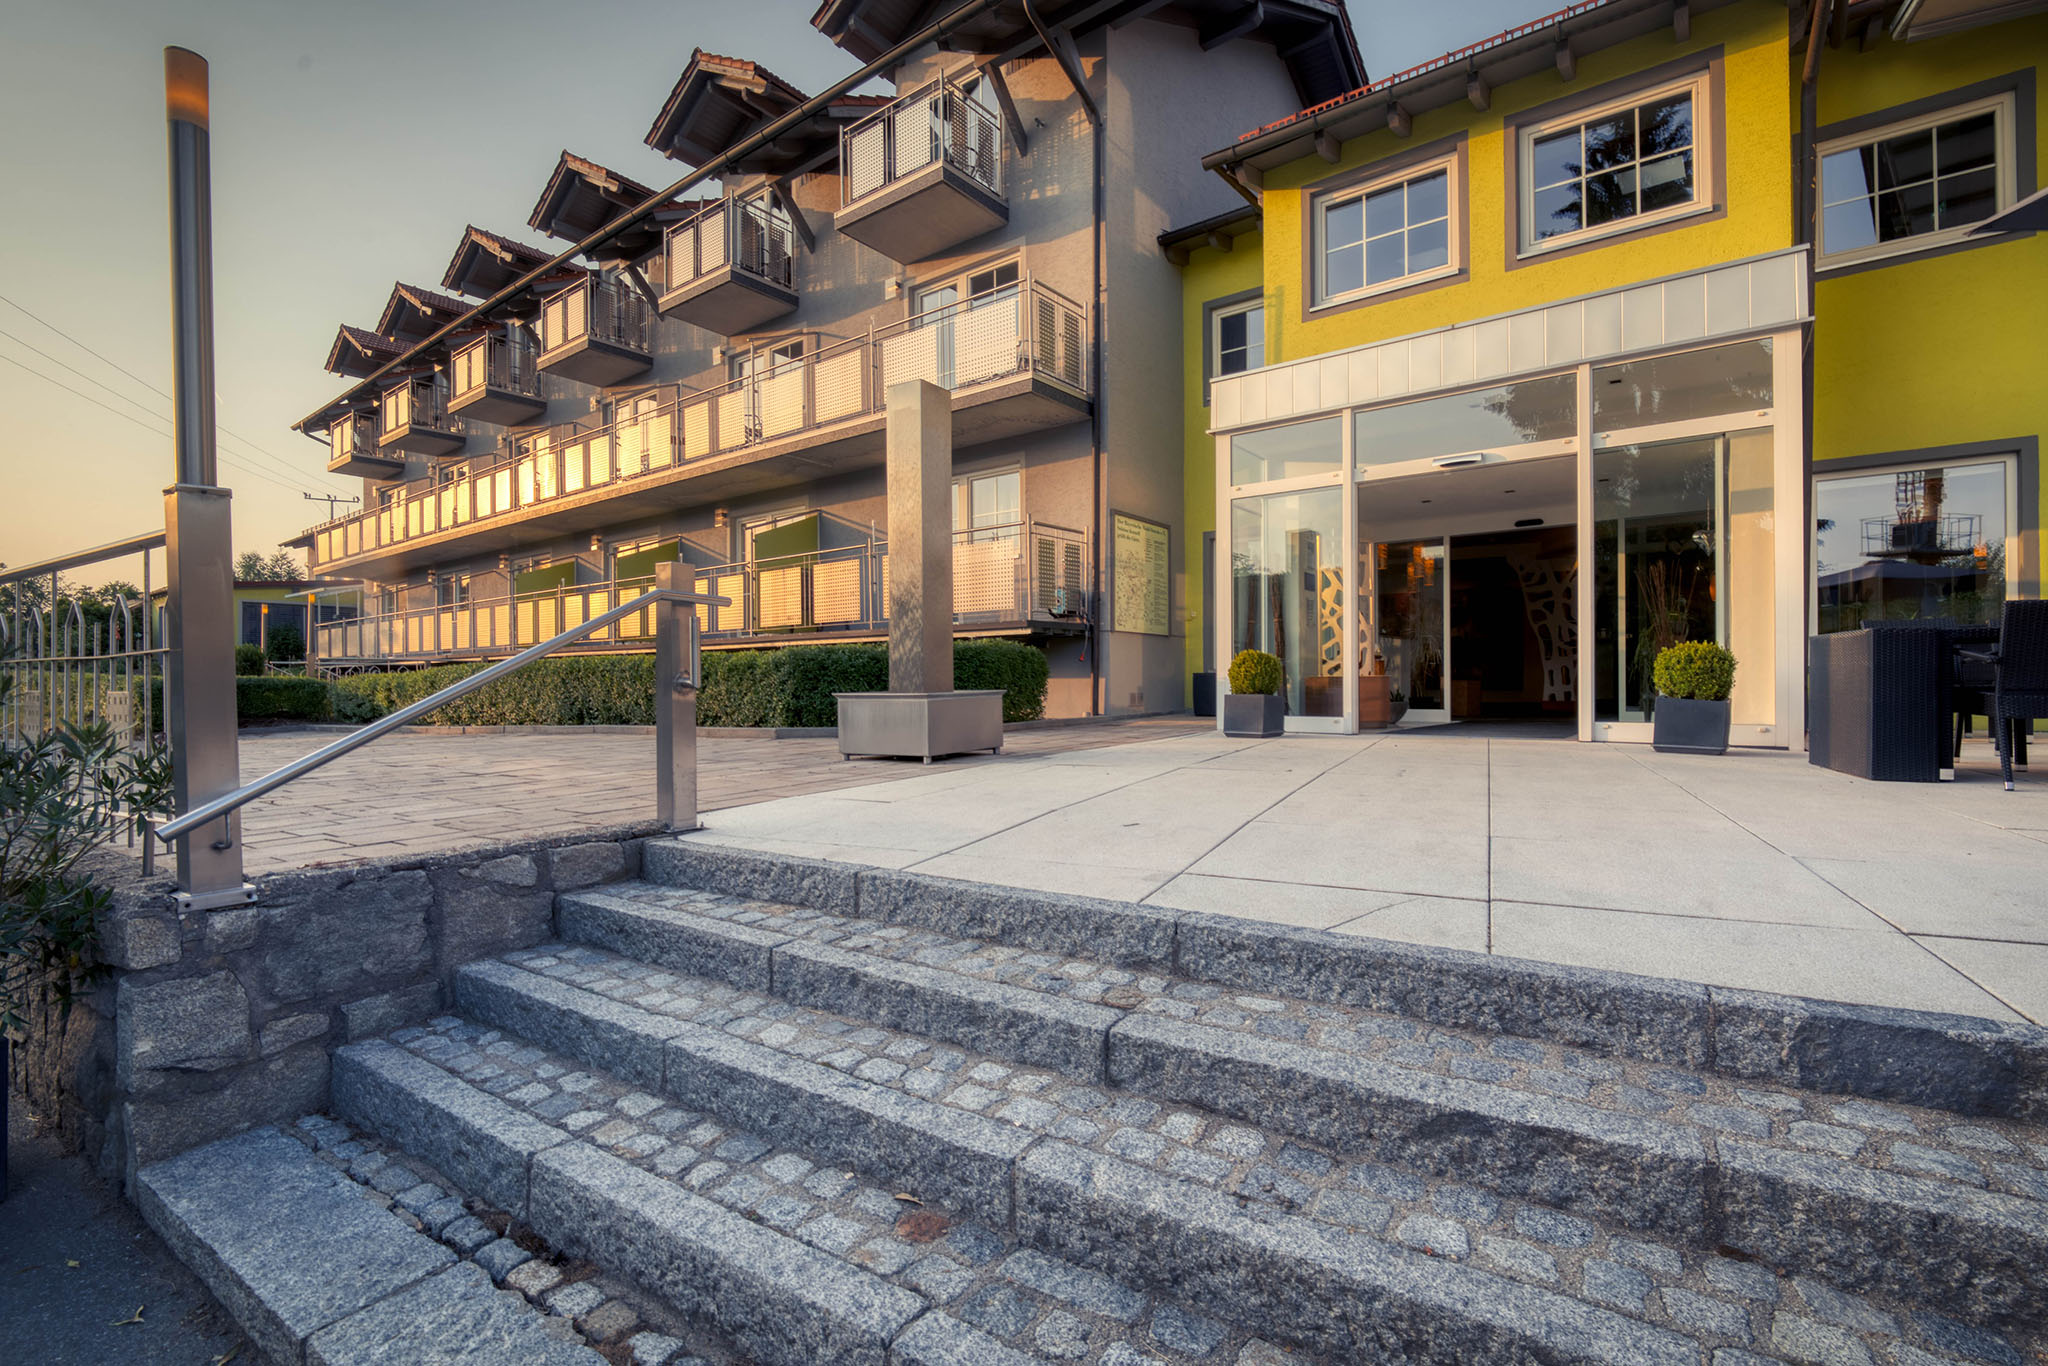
494	362
1027	329
750	233
596	310
1024	575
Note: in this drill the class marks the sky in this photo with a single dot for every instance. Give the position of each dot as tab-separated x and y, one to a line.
351	142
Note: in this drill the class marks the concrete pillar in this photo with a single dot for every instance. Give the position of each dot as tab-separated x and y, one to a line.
920	427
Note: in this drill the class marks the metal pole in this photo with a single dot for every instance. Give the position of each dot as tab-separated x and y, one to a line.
199	693
676	676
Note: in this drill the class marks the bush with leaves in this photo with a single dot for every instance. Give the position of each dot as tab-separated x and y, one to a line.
285	643
248	659
1697	669
1256	672
63	794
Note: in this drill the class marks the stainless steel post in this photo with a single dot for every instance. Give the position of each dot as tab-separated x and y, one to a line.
677	674
199	693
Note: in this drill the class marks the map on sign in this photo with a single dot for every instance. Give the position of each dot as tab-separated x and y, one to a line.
1139	574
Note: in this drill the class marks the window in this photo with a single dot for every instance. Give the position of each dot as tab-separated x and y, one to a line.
766	361
1237	340
451	590
1900	544
1616	168
985	502
1917	184
1385	235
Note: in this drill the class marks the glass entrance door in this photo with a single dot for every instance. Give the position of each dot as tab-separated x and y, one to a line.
1404	647
1683	549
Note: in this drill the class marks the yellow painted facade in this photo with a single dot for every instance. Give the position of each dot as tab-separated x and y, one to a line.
1943	349
1755	217
1926	352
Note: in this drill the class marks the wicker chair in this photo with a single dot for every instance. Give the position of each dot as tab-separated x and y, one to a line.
2019	672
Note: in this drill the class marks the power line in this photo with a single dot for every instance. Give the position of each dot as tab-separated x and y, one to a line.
280	461
153	431
80	373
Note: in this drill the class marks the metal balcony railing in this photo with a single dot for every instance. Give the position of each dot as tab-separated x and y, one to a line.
938	122
494	363
416	403
749	233
1015	331
1019	575
594	310
353	437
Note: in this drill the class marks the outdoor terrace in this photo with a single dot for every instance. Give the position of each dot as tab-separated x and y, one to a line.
731	266
1014	360
352	449
923	174
1028	576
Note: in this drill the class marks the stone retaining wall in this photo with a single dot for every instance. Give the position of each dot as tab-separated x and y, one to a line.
212	1021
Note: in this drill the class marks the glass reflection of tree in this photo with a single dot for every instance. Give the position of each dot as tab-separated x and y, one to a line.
1537	409
1617	152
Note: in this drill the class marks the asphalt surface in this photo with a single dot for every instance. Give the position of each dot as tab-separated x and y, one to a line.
76	1259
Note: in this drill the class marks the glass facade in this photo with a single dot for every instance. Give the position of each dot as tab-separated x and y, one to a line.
1290	452
1287	592
1911	543
1543	409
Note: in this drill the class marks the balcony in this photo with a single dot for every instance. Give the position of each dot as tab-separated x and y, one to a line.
1029	577
493	380
1014	359
414	417
594	332
352	447
730	267
923	174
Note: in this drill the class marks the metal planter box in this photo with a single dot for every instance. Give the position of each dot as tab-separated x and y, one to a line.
1685	725
920	725
1253	716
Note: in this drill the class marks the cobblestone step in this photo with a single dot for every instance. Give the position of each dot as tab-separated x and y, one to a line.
1892	1200
577	998
1944	1062
316	1274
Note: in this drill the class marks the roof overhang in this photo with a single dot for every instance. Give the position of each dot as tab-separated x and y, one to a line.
718	102
359	353
485	263
2028	215
1314	37
1933	18
413	314
583	197
1551	43
1219	231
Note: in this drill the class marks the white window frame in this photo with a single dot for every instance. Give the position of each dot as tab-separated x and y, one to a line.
1454	225
1704	152
1216	317
967	481
2006	109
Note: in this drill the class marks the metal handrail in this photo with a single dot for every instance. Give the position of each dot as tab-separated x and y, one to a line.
319	758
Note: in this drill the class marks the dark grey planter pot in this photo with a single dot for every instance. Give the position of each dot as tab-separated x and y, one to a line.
1252	716
1684	725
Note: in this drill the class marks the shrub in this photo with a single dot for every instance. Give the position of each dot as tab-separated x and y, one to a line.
285	643
1697	669
1255	671
787	686
282	698
1020	670
248	659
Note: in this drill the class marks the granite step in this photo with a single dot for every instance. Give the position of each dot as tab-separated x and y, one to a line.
763	1239
932	1119
317	1275
1958	1063
1879	1198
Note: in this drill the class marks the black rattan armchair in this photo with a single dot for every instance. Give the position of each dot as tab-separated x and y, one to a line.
2019	676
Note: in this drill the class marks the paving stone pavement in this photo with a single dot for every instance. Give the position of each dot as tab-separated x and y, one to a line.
410	794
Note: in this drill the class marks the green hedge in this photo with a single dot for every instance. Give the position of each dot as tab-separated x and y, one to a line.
790	686
277	697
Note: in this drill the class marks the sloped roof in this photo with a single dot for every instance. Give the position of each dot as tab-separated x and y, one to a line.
582	196
1313	37
358	352
718	101
412	312
485	262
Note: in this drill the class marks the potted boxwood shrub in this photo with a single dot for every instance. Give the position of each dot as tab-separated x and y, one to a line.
1252	708
1693	680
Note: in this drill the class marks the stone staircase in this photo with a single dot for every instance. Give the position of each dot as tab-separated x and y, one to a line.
756	1109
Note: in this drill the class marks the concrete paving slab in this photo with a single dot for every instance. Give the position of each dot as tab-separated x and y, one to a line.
1380	855
1873	967
1446	922
1722	874
1280	903
1999	890
2015	973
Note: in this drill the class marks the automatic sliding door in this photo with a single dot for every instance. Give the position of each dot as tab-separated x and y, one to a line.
1287	586
1403	637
